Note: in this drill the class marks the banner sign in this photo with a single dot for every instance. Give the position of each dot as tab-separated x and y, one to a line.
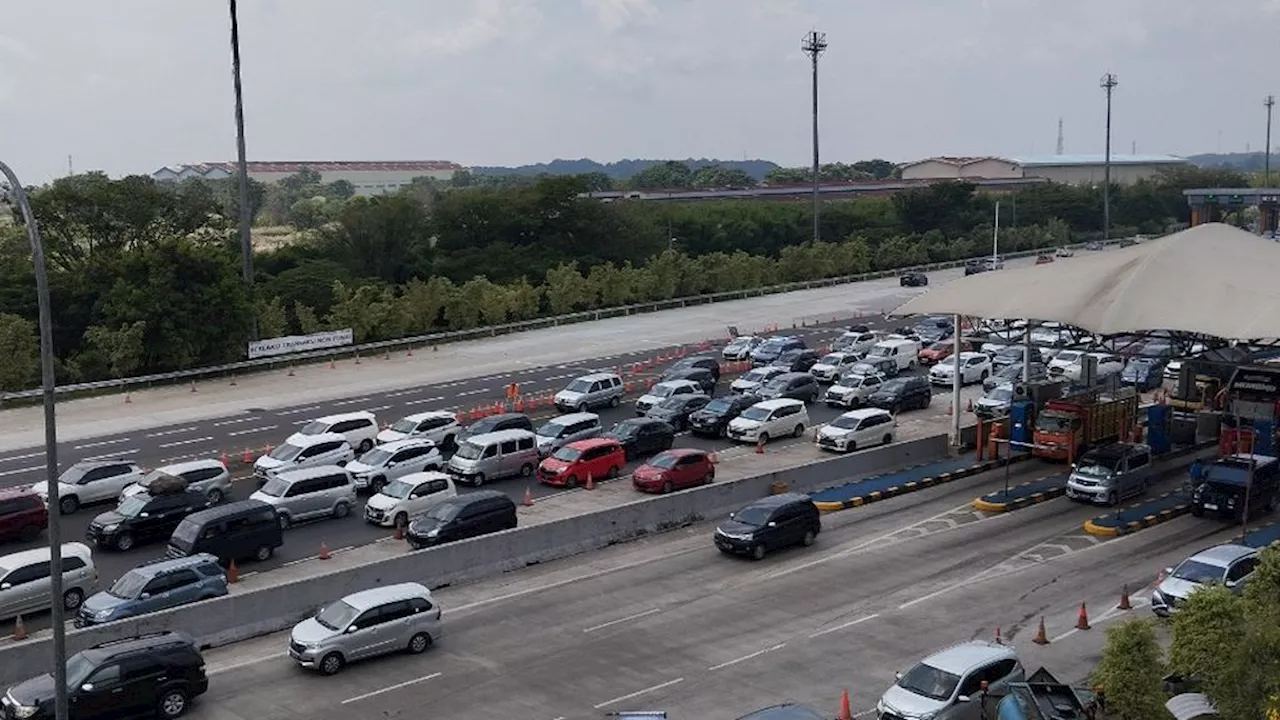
300	343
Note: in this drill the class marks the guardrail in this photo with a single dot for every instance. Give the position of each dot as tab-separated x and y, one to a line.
179	376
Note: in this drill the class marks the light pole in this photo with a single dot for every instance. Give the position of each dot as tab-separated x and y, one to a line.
47	384
814	45
246	213
1270	102
1108	84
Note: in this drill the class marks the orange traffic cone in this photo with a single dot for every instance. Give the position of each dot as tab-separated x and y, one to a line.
1041	638
233	573
760	446
1082	622
19	630
591	482
324	551
999	641
399	534
845	712
970	405
247	457
528	496
226	461
1124	600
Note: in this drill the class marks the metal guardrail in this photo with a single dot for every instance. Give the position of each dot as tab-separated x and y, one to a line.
372	348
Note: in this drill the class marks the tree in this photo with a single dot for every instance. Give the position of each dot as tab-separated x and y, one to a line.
662	176
424	302
305	319
120	348
388	238
1130	673
567	290
272	318
371	312
716	176
524	300
20	347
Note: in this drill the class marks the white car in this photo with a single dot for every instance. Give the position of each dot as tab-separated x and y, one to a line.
740	347
360	429
1064	252
381	465
757	378
855	342
1070	364
90	481
664	390
408	497
439	426
974	367
207	476
1066	363
770	419
852	390
304	451
857	429
1230	565
831	366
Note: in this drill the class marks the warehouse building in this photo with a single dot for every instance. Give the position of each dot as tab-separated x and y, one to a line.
1068	169
369	178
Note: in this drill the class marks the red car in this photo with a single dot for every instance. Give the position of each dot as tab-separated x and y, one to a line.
674	469
571	465
23	515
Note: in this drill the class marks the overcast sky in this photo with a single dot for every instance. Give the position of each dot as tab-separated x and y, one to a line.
129	85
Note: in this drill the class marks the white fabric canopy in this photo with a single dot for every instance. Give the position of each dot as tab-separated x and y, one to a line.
1212	279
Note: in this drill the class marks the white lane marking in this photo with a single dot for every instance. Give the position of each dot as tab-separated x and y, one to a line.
162	433
842	626
115	454
219	669
251	418
22	457
297	411
178	458
611	623
473	392
250	431
425	401
1111	614
638	693
745	658
402	393
104	443
389	688
22	470
454	384
560	377
352	401
379	408
192	441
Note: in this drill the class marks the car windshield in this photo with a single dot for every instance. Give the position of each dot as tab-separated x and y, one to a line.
132	505
930	682
719	406
444	512
129	585
625	430
771	346
184	536
672	403
1001	394
79	667
552	430
567	454
832	359
1198	572
738	344
893	386
1093	467
1013	371
1067	356
844	422
275	487
337	617
666	461
663	390
755	413
1052	423
940	346
404	425
778	384
949	361
397	489
757	375
880	351
862	369
376	457
790	355
315	427
285	452
1011	353
752	516
469	451
579	386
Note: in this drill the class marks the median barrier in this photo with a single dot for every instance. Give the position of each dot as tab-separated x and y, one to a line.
1262	536
249	612
1157	510
882	487
1023	494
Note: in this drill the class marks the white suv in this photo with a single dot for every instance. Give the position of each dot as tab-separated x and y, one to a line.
439	426
664	390
770	419
974	367
381	465
831	366
304	451
857	429
408	497
359	428
207	476
90	481
852	390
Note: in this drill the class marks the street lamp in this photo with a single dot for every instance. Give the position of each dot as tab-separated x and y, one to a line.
1108	85
47	384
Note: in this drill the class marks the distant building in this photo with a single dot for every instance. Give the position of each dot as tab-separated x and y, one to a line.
1069	169
369	178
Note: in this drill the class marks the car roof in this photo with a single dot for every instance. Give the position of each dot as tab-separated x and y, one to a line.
418	478
472	496
218	512
792	375
189	465
403	443
99	462
571	418
301	440
112	648
588	443
779	500
861	413
968	355
163	565
339	417
777	403
967	656
17	492
598	376
682	451
293	476
430	414
374	597
785	711
1223	555
499	436
675	383
1117	450
25	557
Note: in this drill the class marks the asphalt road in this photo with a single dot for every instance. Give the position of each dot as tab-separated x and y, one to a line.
669	624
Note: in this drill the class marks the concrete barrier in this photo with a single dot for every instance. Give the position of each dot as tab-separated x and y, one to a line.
242	615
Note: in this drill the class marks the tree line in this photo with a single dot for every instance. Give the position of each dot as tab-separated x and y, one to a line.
145	276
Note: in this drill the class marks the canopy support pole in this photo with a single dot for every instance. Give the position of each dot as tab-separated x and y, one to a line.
956	378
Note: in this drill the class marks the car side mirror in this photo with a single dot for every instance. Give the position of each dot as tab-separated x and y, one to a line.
1231	583
144	514
1168	571
391	463
897	675
144	596
352	629
963	698
773	524
342	463
6	586
87	687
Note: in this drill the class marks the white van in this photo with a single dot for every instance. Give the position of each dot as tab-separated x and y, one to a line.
904	351
359	428
770	419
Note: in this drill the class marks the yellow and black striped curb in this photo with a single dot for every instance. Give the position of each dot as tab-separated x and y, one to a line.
1017	503
1161	516
911	486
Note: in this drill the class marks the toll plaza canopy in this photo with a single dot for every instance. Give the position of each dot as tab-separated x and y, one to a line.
1213	279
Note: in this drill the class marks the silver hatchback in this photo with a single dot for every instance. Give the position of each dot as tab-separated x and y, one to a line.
387	619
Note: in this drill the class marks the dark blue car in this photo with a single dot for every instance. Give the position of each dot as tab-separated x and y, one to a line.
1144	373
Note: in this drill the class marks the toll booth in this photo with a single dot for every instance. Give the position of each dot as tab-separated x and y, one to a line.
1251	408
1214	204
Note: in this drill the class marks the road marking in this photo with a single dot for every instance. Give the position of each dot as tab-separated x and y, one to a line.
115	454
177	458
842	626
23	457
379	408
473	392
192	441
251	418
426	400
219	669
453	384
638	615
389	688
402	393
22	470
250	431
352	401
296	411
638	693
104	443
162	433
745	658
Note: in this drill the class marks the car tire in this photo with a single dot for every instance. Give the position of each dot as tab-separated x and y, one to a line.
613	472
401	520
478	479
615	401
264	553
419	643
72	599
710	477
331	664
214	496
668	488
365	446
341	510
983	378
124	542
68	505
888	439
376	485
763	438
582	407
798	432
172	703
449	443
29	533
851	447
571	481
758	551
1270	505
895	409
808	538
1113	499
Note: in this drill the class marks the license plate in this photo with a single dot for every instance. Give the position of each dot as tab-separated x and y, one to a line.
1210	506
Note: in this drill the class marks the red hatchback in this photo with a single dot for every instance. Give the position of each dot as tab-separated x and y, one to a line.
674	469
23	515
572	464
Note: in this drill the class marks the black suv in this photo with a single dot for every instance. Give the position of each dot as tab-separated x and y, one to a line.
706	362
144	518
914	279
800	360
714	418
794	385
704	377
1221	491
642	436
774	522
902	393
157	673
973	267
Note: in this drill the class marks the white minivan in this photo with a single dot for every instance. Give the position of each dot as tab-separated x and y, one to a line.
903	351
304	451
408	498
857	429
770	419
359	428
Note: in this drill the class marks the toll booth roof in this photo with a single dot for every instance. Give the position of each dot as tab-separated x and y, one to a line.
1234	469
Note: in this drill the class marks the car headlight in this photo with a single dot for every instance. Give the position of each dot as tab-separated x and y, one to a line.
433	532
111	528
102	614
24	711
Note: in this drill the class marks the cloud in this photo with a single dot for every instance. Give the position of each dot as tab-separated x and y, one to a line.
489	22
615	15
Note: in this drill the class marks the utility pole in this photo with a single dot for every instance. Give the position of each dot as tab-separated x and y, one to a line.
246	213
1061	143
814	45
1108	84
1269	103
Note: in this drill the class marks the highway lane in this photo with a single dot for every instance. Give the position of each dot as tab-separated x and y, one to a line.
670	624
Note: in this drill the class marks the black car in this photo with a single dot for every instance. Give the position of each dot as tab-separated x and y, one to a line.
158	673
466	516
643	436
144	518
794	385
858	328
707	362
913	279
494	423
973	267
704	377
675	410
774	522
1127	242
713	419
1013	373
1095	245
797	360
1222	489
902	393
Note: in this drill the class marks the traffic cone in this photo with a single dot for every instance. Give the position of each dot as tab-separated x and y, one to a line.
324	551
247	457
266	449
1159	577
528	496
970	409
331	365
845	712
1082	622
1041	638
128	398
1124	600
193	386
999	640
760	446
226	461
233	573
409	352
19	630
591	482
399	534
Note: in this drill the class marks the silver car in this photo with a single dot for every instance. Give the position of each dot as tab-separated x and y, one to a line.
25	582
207	476
590	391
946	685
389	461
315	492
560	431
387	619
1229	565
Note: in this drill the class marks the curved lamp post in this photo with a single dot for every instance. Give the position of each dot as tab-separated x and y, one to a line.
47	383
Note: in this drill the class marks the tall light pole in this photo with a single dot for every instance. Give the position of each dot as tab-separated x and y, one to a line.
1108	84
246	213
814	45
47	384
1270	102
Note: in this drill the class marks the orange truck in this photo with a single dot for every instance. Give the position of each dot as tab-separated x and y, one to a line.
1067	427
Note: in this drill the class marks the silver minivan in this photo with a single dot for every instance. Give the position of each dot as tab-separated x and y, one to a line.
590	391
310	493
1110	474
25	579
495	455
560	431
387	619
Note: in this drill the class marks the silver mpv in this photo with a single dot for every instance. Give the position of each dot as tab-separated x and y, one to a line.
297	495
383	620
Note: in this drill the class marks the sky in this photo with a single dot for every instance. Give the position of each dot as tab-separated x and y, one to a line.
130	85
